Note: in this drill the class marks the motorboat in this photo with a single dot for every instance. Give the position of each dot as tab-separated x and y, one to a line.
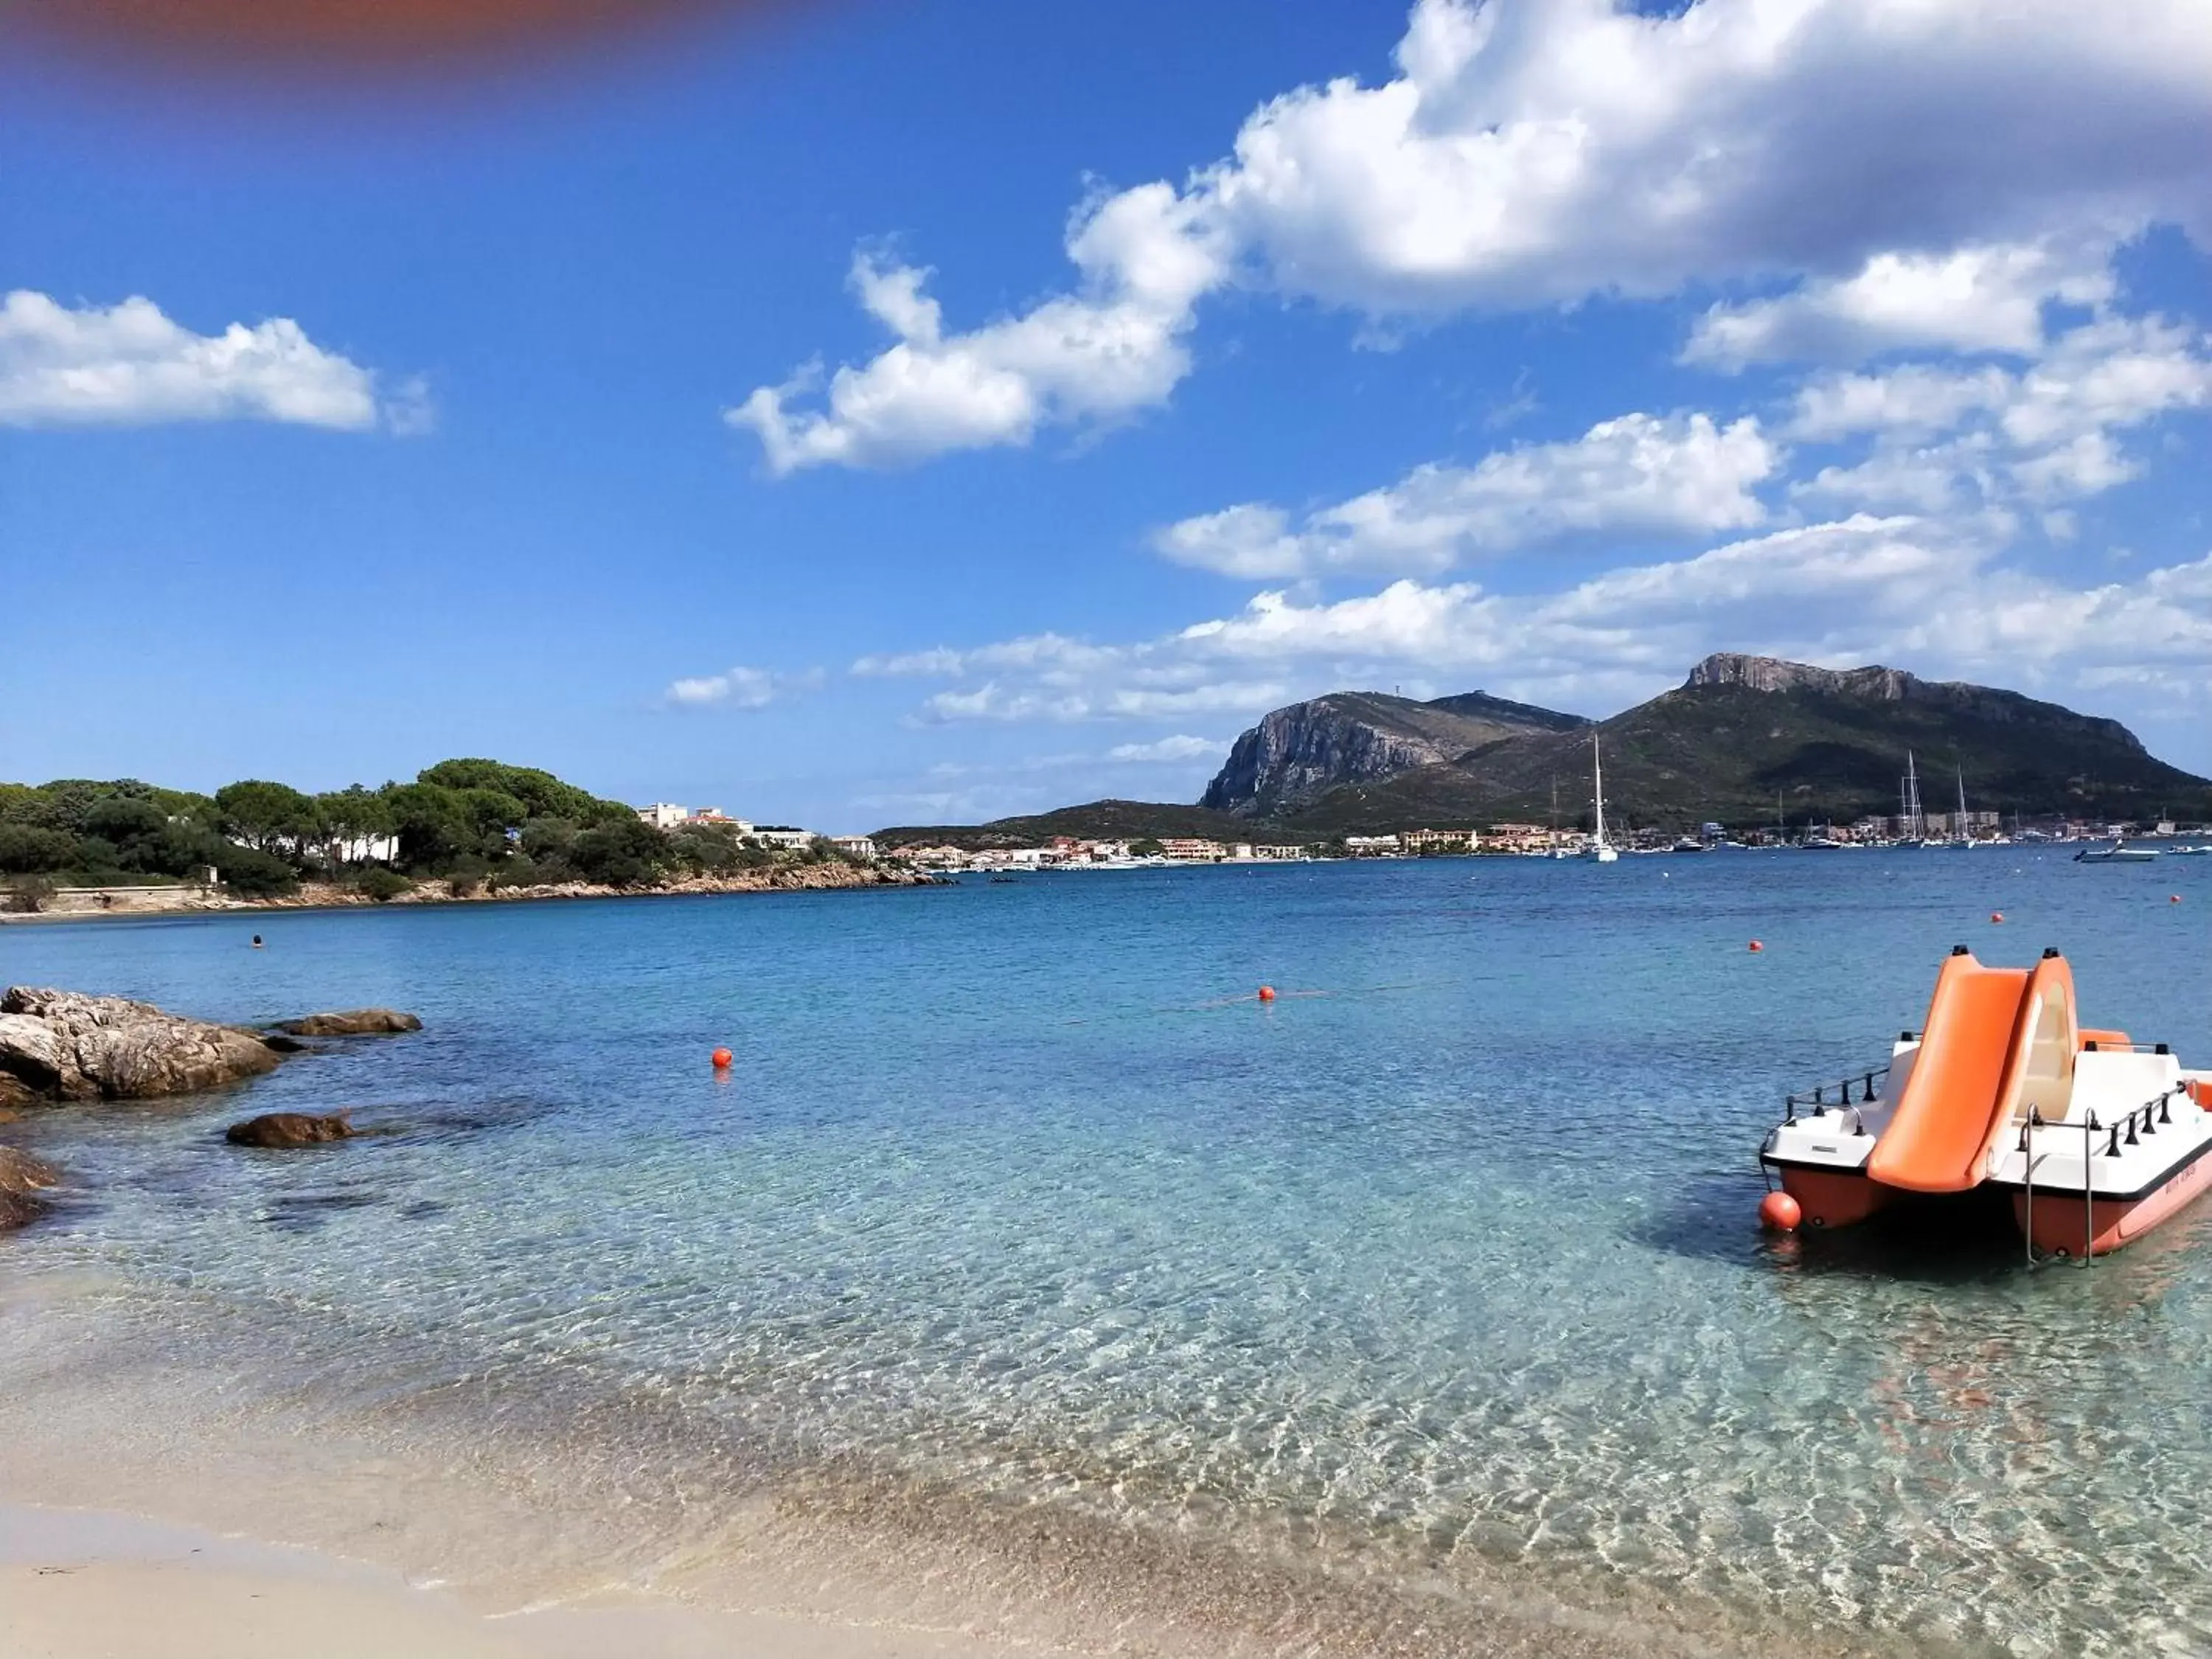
2096	1138
2120	853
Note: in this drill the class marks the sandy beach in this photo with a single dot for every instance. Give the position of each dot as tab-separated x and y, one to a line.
88	1584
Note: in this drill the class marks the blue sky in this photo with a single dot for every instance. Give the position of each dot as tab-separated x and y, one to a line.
925	412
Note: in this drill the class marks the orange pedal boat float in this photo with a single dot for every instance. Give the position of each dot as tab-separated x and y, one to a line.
2097	1139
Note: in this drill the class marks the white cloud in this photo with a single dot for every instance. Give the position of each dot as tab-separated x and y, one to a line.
1166	750
1537	151
1637	475
2043	434
131	365
1929	172
1105	353
1971	299
1932	593
742	688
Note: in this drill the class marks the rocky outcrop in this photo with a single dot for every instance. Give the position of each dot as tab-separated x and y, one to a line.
281	1130
1876	685
351	1021
1299	753
23	1180
65	1045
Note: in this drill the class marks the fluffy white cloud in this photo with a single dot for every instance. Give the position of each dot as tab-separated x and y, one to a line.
742	688
131	365
1113	349
1973	299
1930	170
1637	475
1946	437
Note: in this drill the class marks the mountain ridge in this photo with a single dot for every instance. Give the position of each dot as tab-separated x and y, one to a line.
1742	740
1301	751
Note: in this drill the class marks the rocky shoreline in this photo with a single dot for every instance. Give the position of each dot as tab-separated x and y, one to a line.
59	1048
330	896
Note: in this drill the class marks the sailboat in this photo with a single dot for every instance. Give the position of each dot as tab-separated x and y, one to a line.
1961	836
1601	849
1913	825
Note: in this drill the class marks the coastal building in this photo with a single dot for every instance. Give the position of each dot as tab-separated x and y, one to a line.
1286	854
787	836
1189	850
1371	847
1436	840
663	814
861	846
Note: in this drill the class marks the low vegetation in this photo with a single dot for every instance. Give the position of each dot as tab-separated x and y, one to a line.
475	824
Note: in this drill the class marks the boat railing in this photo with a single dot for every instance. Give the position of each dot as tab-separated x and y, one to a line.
2105	1046
1822	1096
2145	1120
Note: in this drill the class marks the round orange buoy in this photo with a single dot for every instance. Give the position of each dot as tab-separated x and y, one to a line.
1266	994
1996	915
1780	1212
722	1059
1754	945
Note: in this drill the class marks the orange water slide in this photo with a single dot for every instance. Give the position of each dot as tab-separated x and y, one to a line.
1987	1028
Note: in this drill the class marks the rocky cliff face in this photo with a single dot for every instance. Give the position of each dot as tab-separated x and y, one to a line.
1299	753
1877	684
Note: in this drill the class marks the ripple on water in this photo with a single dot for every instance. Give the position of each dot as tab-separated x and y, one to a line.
1004	1194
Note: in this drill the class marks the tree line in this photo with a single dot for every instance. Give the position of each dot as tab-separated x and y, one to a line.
468	822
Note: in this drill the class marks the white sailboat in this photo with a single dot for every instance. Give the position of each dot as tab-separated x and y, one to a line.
1601	849
1912	825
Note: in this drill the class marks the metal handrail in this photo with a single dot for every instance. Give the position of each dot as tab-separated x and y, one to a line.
1817	1097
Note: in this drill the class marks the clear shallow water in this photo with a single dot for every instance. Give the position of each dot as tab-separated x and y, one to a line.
1445	1258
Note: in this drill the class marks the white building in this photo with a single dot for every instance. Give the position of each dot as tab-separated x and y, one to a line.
789	837
861	846
663	814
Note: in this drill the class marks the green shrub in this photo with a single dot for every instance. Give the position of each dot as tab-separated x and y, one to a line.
252	874
383	884
25	850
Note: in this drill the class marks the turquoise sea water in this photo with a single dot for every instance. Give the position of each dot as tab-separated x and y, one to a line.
1447	1256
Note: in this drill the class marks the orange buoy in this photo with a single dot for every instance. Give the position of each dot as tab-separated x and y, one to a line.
1754	946
1996	915
1266	994
722	1059
1780	1212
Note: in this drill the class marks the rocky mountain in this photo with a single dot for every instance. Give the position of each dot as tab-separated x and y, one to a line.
1745	739
1298	755
1742	740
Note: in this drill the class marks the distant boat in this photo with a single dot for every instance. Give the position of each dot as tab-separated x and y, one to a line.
1601	849
2120	855
1912	821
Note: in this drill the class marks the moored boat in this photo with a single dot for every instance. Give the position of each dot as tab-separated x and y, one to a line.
2095	1137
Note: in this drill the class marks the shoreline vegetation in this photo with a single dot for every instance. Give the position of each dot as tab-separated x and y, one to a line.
464	830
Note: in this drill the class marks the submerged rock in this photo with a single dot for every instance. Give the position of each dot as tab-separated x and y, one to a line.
66	1045
22	1179
283	1129
352	1022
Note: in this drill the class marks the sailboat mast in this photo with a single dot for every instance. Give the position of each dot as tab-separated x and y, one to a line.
1597	776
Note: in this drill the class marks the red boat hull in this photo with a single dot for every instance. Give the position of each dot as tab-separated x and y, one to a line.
1832	1198
2059	1227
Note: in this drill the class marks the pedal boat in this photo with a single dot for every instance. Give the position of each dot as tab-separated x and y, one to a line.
2097	1139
